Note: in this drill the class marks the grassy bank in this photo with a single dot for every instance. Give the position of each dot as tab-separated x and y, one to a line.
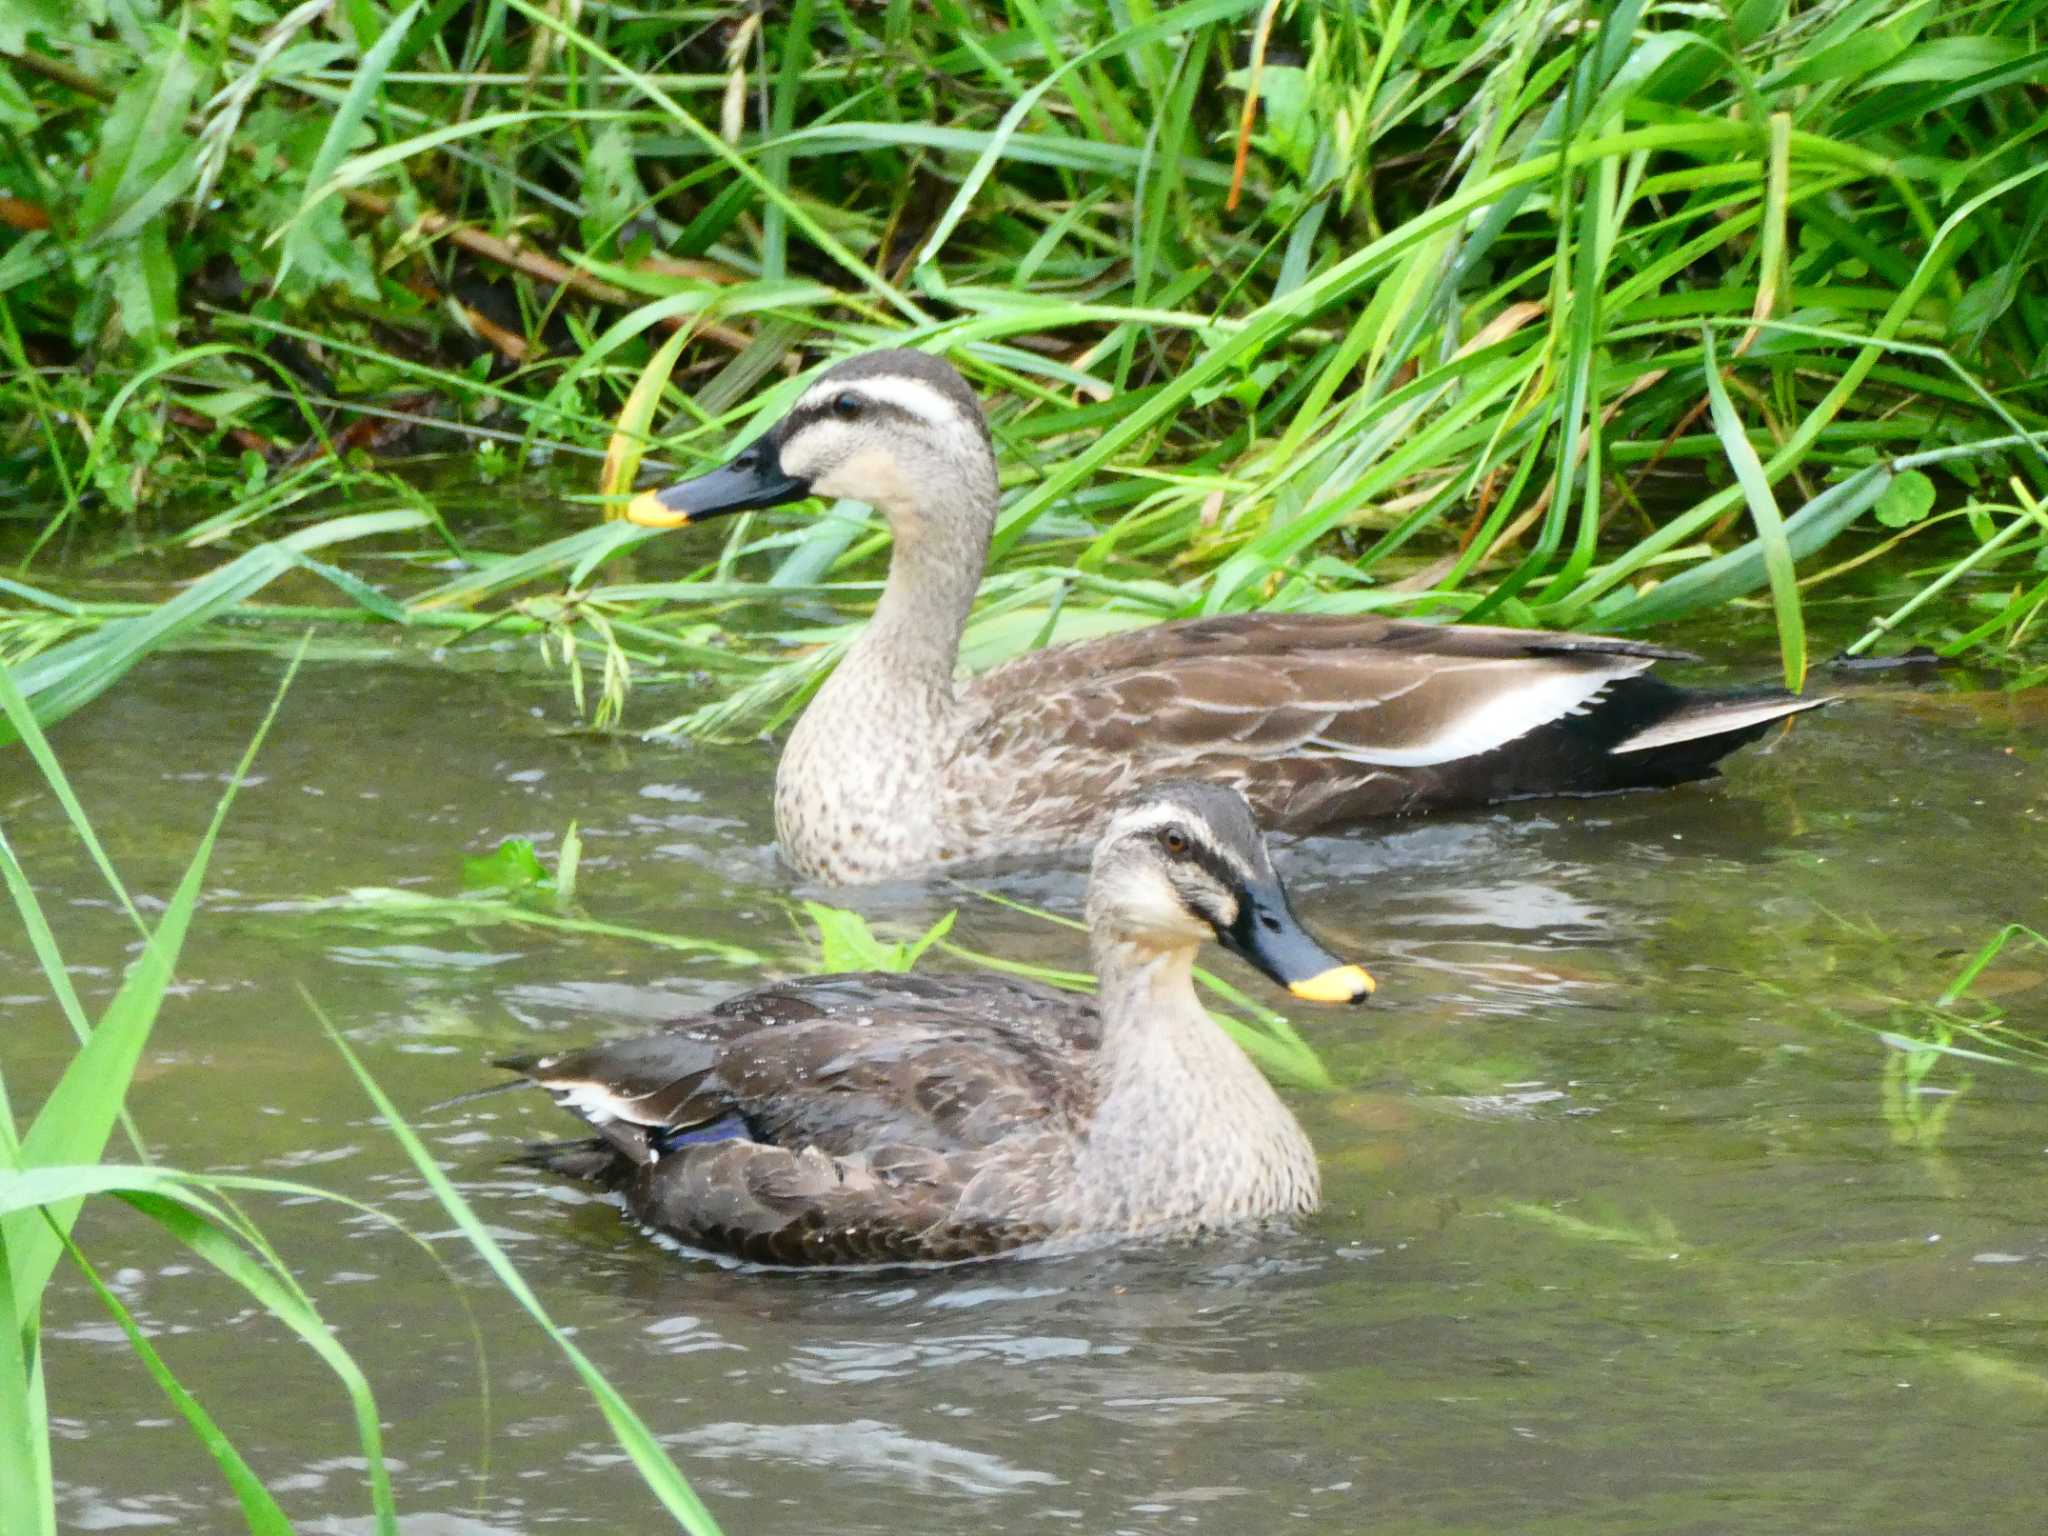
1593	315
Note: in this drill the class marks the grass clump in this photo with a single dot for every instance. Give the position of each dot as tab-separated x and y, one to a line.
59	1161
1561	314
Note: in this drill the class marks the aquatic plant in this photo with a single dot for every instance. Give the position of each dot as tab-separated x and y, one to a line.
50	1169
1563	314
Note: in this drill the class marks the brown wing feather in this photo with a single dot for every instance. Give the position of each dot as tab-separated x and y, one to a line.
846	1063
1060	667
1316	719
875	1108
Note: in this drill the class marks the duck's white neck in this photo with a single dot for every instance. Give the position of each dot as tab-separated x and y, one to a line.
855	784
1187	1132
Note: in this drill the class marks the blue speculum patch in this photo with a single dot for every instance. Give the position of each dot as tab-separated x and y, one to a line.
730	1126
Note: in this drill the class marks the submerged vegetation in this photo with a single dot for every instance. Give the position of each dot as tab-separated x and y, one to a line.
1562	314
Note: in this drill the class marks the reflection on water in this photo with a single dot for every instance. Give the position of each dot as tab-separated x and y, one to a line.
1618	1237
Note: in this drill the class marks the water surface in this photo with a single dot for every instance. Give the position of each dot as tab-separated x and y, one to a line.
1623	1232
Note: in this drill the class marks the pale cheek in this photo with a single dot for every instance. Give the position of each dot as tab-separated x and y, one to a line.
870	476
1145	906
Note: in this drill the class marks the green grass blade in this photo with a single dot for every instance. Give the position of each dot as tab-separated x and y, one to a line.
69	676
43	944
2011	933
28	1497
259	1509
79	1115
200	1231
28	730
1183	19
633	430
799	216
656	1468
1779	565
341	129
1741	571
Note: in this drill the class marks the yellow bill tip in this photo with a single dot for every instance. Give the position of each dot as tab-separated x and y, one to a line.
1339	984
646	510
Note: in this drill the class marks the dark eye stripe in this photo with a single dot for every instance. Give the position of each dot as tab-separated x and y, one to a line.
870	410
1213	863
1204	857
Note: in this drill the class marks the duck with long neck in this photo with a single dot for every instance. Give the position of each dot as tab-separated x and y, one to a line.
857	779
901	432
1320	720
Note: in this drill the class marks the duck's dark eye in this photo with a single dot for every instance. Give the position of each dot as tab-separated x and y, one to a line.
1174	841
846	407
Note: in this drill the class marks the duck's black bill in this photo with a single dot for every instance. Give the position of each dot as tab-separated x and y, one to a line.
752	480
1267	934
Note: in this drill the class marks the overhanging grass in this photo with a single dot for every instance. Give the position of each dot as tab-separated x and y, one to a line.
1415	308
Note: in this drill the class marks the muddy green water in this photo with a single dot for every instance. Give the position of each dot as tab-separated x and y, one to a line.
1622	1234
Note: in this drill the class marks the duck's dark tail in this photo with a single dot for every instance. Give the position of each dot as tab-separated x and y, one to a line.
1710	724
1641	733
598	1160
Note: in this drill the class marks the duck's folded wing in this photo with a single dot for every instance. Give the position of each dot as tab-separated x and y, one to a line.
1404	645
1011	1004
1354	695
901	1073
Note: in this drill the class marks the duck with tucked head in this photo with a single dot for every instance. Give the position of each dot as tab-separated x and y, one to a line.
878	1118
1319	720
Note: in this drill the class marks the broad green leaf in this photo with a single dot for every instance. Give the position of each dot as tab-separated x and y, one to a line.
612	193
1908	499
142	142
511	866
16	110
32	257
1945	58
1981	305
145	286
847	943
324	252
914	952
1855	51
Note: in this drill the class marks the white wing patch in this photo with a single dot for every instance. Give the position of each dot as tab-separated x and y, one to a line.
1717	721
596	1103
1517	709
